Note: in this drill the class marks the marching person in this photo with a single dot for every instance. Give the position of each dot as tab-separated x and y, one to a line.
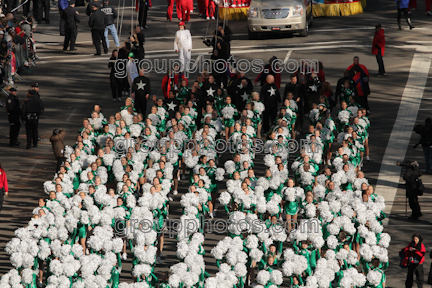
144	6
13	109
402	7
141	89
30	111
58	146
110	14
183	45
35	87
270	96
210	8
3	184
378	47
97	22
170	9
62	5
71	18
360	75
413	259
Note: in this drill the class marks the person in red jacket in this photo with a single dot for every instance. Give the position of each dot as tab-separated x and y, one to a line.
414	258
3	181
378	47
171	8
171	81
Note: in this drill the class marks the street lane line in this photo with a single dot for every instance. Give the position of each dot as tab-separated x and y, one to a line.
287	56
70	115
390	173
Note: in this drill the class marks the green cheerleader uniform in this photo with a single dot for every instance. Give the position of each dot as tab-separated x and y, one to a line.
230	122
182	94
292	207
211	173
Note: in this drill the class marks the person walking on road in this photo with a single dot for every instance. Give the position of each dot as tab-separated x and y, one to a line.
378	47
58	146
402	7
97	22
71	18
412	184
111	14
30	111
183	45
360	75
425	131
13	109
413	260
4	189
141	89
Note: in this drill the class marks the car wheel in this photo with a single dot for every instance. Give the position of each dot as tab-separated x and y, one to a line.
304	32
252	35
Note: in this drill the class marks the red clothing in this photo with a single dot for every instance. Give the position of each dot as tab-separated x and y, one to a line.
210	8
321	76
361	66
187	8
168	83
3	180
201	7
378	41
171	8
416	253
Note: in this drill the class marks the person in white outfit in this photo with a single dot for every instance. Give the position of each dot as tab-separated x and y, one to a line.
183	45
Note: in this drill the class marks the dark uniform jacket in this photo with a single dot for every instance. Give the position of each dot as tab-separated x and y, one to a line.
97	20
31	107
71	17
110	12
270	100
13	106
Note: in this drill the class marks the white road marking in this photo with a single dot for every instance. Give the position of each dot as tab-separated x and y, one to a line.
70	115
388	179
32	168
196	62
287	56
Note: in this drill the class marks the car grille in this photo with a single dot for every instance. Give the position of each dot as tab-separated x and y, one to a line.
275	13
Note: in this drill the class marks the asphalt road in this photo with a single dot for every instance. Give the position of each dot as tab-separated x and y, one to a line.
72	82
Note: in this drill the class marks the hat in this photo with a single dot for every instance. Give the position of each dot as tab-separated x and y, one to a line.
96	4
71	2
31	92
181	23
1	32
12	89
131	55
35	85
17	30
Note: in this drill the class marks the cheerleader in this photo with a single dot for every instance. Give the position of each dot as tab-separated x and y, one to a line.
258	108
229	111
291	203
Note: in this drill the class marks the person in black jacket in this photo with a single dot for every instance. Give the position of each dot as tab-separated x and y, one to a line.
312	92
425	131
141	89
209	90
270	97
297	89
138	41
116	81
97	22
340	86
411	178
71	18
111	14
13	109
30	111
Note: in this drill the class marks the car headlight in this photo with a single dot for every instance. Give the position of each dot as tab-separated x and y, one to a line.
298	10
253	12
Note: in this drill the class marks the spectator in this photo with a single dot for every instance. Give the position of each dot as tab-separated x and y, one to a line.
425	131
378	47
4	189
414	258
58	147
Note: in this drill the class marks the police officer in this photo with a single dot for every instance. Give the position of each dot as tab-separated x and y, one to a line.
141	89
97	22
13	109
31	109
71	17
35	87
